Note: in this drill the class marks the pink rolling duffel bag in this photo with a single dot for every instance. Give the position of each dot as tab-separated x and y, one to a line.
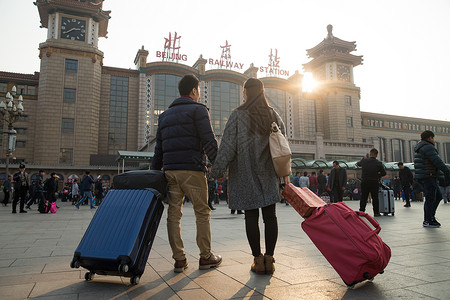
350	245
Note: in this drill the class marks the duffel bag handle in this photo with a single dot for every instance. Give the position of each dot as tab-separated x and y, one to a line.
371	220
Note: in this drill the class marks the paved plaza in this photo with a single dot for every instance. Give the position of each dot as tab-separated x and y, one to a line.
36	249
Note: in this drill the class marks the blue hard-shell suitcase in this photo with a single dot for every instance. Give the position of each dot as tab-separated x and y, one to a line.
120	235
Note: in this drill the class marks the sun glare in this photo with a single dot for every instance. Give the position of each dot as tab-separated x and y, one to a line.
308	83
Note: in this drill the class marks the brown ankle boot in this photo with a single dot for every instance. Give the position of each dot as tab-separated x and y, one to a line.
258	265
268	262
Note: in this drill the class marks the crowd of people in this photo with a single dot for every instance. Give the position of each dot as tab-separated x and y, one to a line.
27	191
195	167
241	172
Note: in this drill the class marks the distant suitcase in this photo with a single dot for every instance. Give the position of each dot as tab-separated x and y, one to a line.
386	202
141	179
120	235
350	245
418	196
302	199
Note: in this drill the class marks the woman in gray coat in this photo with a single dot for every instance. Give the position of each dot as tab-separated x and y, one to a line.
252	183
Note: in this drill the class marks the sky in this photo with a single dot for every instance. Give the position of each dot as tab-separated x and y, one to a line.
405	44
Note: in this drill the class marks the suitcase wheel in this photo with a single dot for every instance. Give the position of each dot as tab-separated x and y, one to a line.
134	280
123	268
74	264
88	276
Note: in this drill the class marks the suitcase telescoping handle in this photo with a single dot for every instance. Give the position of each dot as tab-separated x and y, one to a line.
372	221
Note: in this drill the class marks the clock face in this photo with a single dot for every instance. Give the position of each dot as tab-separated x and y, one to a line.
343	73
73	29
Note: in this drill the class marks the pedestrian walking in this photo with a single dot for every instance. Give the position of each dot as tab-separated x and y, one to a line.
406	180
184	141
253	183
7	190
337	182
372	171
21	189
86	190
428	167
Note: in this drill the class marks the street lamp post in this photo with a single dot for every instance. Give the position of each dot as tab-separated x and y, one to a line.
11	113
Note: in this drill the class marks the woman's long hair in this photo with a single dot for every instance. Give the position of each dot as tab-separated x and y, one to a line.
259	109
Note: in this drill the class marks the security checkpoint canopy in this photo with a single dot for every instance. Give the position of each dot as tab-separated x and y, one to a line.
132	156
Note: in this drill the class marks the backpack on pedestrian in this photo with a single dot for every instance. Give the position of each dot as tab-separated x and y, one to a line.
44	206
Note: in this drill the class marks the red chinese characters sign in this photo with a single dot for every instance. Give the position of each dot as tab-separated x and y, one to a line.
273	68
172	49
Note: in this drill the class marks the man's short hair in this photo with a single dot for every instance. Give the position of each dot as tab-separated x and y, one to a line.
296	173
88	172
374	151
41	171
426	134
187	84
320	171
399	163
336	162
305	173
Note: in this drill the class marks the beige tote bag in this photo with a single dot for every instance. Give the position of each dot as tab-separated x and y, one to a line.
280	151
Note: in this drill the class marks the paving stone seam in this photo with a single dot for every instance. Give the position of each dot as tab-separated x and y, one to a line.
423	295
31	291
167	284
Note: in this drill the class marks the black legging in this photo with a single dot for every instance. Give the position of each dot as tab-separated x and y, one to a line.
270	229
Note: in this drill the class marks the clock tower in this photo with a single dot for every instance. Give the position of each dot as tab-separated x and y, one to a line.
338	98
67	125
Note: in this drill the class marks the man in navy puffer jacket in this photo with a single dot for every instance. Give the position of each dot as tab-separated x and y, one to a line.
183	140
428	165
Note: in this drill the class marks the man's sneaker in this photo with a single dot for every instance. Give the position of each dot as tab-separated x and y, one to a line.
77	207
211	262
435	222
180	265
27	207
430	224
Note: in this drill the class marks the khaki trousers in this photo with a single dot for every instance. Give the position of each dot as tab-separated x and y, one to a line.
194	185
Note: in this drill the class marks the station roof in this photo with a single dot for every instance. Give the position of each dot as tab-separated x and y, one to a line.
134	155
351	165
296	162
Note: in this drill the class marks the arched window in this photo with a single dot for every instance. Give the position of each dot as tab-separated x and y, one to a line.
118	114
224	98
412	145
397	150
278	100
166	90
382	150
446	153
